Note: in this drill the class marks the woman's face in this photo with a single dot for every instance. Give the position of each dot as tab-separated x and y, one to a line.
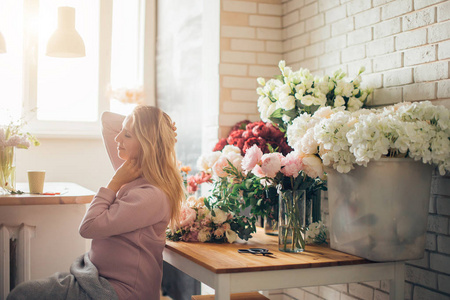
128	145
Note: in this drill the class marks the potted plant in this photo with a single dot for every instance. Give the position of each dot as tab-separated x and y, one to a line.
379	173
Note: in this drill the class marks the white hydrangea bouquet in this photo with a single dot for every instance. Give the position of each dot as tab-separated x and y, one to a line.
286	97
341	138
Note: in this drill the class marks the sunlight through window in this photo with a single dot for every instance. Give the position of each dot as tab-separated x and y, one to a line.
67	88
66	94
11	62
126	56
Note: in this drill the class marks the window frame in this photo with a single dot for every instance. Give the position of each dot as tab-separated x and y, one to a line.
82	129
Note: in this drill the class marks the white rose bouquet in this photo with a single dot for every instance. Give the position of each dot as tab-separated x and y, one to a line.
286	97
342	138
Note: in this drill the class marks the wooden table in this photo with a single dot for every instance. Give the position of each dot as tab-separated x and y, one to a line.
69	193
46	228
221	267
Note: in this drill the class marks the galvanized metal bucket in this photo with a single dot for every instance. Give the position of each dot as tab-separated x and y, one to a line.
380	212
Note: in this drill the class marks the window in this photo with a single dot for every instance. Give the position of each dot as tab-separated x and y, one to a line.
65	96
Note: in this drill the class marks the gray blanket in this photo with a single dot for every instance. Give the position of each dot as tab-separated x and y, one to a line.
83	282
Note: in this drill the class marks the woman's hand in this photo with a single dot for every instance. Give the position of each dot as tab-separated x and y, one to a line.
126	173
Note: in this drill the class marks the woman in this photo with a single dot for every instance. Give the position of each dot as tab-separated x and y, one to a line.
128	218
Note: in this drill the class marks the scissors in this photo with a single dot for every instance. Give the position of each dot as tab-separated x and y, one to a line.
256	251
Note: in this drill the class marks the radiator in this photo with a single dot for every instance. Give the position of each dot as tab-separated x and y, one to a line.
15	242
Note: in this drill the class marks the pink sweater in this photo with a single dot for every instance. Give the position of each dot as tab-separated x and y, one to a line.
127	229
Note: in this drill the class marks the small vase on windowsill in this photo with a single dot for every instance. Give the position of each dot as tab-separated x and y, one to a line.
7	170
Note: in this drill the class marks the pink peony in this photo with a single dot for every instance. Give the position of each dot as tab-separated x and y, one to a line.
221	163
258	172
271	164
312	166
188	216
293	164
251	158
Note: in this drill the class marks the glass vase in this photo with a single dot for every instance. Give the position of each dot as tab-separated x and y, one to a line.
271	221
271	217
7	170
313	207
291	220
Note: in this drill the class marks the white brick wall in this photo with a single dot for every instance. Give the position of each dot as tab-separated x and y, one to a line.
431	71
439	32
398	77
251	46
387	28
240	6
411	39
270	9
368	17
395	9
420	55
419	18
238	32
380	46
405	48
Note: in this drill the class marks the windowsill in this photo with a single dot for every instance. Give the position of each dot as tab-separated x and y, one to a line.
70	134
65	130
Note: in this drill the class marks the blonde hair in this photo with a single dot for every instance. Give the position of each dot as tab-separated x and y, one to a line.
154	130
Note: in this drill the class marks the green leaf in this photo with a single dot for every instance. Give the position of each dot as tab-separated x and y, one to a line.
278	114
293	113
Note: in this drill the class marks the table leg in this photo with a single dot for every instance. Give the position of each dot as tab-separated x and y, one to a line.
222	287
397	288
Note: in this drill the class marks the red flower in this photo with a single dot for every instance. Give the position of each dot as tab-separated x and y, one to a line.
260	142
250	126
261	130
247	134
285	148
235	139
258	133
274	132
239	125
220	144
